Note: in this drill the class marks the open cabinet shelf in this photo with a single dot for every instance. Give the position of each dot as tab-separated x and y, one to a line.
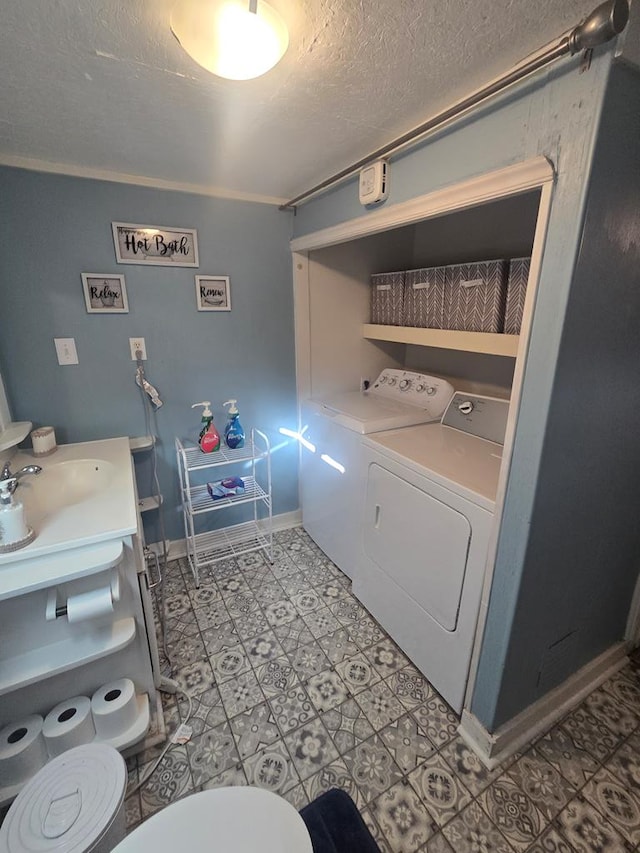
480	342
76	650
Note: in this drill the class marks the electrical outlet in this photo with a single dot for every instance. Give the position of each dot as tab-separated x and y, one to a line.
137	345
66	350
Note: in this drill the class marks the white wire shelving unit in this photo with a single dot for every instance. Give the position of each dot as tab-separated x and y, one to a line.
252	463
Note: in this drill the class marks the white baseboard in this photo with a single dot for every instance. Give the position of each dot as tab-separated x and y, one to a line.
287	519
494	748
178	547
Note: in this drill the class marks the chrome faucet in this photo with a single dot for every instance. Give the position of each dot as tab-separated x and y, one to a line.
7	475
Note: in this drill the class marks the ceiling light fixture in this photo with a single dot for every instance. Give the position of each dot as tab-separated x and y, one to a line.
231	38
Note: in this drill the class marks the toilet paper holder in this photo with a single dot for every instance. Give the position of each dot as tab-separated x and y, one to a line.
57	608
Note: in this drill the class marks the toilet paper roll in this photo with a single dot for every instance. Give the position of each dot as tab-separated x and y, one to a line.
90	605
67	725
22	750
114	708
85	605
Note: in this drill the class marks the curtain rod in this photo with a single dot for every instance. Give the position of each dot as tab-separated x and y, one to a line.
606	21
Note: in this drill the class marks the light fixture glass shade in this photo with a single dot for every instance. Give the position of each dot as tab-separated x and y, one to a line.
228	39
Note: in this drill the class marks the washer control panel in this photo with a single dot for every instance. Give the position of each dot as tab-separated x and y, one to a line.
416	389
485	417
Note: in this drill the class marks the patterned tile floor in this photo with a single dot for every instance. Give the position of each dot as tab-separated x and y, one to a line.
297	689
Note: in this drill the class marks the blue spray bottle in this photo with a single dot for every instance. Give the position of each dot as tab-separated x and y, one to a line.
233	431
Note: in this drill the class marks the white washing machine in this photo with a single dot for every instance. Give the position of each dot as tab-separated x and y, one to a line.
332	480
430	497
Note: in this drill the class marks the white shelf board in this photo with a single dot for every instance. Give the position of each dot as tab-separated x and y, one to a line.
14	433
146	504
141	443
201	500
229	542
82	648
44	572
195	459
480	342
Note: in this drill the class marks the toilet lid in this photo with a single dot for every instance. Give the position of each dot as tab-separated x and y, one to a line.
222	820
69	804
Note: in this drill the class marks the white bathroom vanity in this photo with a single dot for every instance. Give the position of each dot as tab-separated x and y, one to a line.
75	607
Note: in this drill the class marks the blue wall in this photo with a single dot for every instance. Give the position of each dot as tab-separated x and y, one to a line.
52	228
555	115
581	563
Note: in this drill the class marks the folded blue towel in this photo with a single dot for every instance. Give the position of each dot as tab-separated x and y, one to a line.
226	487
335	825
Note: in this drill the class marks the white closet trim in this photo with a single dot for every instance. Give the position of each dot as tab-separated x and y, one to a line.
512	180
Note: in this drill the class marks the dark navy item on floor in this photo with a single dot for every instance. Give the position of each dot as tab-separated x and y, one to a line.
335	825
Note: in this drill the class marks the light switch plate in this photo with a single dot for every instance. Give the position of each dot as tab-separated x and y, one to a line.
66	350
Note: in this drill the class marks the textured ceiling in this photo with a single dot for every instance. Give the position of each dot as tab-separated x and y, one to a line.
104	85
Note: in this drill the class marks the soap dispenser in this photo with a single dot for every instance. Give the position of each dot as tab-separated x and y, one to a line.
14	533
209	438
233	431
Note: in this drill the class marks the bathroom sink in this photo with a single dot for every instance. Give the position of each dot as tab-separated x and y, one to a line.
67	483
83	495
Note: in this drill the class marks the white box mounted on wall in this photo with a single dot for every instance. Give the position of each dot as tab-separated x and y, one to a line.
374	182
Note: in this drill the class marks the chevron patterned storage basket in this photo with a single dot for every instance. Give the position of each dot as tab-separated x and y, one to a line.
516	292
475	296
387	297
424	298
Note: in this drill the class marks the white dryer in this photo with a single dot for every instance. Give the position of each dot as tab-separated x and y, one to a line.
430	497
332	480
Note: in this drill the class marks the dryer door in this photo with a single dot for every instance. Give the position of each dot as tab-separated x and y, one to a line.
421	543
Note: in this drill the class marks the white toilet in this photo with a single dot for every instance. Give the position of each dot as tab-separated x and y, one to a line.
222	820
75	804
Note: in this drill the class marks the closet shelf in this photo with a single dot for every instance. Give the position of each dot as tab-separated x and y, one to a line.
82	648
481	342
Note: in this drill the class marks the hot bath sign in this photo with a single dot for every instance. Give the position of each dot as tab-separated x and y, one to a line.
155	245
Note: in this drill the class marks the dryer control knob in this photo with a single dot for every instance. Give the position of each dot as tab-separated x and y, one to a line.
405	384
466	407
392	381
420	388
431	390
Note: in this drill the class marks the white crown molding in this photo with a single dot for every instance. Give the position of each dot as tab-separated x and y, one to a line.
134	180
